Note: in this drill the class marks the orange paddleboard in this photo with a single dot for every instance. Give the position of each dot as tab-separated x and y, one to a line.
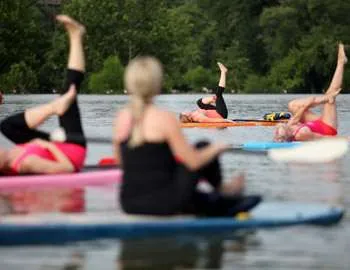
232	124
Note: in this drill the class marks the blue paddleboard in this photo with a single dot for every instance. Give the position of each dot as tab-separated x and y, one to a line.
64	228
256	146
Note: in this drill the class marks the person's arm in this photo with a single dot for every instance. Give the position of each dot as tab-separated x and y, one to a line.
296	117
121	128
116	143
35	164
191	157
200	118
312	102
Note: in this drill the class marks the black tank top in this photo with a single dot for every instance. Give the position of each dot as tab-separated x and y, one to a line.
148	176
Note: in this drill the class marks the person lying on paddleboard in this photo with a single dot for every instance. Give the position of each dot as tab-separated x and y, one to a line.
211	109
306	125
147	139
34	153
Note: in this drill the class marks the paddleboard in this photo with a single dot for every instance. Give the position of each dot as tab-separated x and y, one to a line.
266	145
239	123
64	228
102	175
98	176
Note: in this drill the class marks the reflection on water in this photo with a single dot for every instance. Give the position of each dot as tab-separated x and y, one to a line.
182	252
290	248
67	200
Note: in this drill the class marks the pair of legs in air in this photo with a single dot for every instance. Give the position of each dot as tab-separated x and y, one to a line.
216	102
211	109
325	124
329	112
21	127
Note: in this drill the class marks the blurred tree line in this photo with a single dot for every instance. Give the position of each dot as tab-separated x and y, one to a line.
269	46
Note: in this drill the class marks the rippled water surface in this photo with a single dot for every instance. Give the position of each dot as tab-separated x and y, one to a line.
289	248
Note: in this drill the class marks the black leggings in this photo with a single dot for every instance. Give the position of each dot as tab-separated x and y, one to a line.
16	129
220	107
213	203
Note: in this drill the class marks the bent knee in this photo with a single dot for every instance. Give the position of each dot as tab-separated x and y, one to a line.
5	127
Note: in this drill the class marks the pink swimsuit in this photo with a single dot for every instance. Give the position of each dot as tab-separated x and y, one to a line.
212	114
318	126
74	152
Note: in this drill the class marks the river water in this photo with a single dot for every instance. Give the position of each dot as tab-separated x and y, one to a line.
303	247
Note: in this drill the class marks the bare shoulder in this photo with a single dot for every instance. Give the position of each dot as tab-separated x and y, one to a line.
122	124
124	112
122	116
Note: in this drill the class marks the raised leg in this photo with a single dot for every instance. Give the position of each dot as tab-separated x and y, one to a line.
20	128
70	121
75	31
329	114
221	107
296	105
37	115
337	79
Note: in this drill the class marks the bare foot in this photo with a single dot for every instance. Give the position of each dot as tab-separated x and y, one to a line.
73	27
222	67
234	186
61	105
341	54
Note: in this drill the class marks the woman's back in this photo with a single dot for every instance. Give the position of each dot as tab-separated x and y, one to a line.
148	167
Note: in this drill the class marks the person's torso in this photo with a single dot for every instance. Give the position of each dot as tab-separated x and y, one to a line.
149	167
75	153
316	126
148	172
200	115
212	114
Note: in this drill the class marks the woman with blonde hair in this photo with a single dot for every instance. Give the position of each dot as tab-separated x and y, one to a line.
305	125
147	139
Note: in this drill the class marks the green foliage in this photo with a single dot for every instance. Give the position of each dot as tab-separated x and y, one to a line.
281	30
23	37
198	78
110	78
276	45
256	84
288	74
20	78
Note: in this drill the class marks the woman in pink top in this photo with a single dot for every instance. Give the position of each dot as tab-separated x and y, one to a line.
306	125
34	153
211	109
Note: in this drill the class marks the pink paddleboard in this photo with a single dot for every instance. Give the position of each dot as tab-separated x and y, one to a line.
102	177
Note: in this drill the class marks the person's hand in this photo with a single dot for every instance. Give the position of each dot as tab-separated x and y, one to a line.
222	147
42	143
